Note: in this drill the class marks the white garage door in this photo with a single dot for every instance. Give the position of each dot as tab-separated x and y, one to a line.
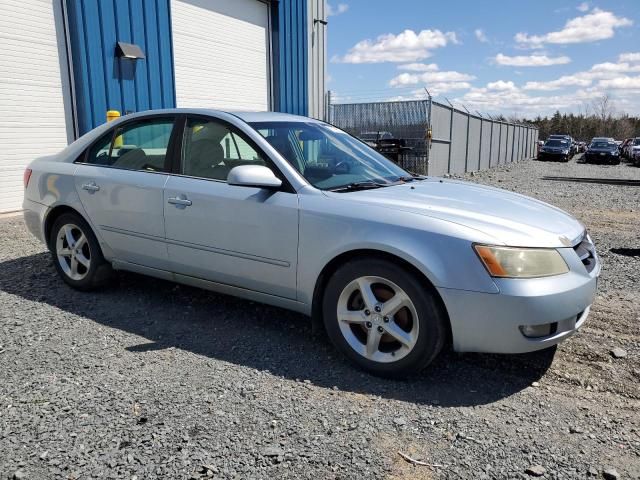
220	51
32	110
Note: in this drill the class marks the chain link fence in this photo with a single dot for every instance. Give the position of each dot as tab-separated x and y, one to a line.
439	139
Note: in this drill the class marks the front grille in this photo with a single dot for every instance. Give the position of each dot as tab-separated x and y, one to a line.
586	251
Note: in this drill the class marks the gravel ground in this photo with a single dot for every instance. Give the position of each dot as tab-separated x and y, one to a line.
149	379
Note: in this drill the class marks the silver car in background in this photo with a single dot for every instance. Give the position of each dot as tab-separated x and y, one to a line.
296	213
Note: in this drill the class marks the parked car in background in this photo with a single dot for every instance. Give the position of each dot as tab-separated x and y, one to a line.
386	144
569	139
558	150
634	151
603	151
630	147
623	148
293	212
373	138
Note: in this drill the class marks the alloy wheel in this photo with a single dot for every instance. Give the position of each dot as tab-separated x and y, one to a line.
73	252
377	319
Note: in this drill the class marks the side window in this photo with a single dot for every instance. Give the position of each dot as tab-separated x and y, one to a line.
135	146
210	149
99	153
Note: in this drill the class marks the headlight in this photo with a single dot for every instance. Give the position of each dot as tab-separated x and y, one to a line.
513	262
615	152
565	152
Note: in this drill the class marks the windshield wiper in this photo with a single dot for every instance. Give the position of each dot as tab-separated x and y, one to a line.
359	186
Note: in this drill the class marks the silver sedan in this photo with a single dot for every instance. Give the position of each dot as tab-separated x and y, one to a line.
296	213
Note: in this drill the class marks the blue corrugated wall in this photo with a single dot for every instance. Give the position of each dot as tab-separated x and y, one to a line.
290	41
103	81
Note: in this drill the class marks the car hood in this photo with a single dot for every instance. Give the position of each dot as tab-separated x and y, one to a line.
602	150
510	218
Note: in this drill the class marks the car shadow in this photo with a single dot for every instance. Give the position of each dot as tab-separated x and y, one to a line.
263	337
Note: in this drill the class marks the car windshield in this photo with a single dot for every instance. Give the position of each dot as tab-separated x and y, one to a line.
556	143
636	141
329	158
602	145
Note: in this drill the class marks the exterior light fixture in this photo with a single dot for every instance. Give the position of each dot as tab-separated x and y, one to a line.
129	50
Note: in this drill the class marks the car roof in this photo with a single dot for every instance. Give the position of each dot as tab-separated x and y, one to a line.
244	115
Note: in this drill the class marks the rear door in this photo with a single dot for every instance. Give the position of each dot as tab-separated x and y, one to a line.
120	182
236	235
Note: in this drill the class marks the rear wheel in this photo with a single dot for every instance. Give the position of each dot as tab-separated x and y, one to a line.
76	253
383	317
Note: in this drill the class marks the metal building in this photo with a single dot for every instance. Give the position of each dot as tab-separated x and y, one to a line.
65	63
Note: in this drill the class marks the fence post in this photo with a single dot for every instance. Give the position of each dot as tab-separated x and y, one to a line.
429	129
450	135
490	139
466	150
480	149
499	141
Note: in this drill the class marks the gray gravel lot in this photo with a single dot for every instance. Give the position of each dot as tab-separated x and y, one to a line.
149	379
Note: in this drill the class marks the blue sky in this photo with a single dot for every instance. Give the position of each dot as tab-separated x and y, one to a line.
516	57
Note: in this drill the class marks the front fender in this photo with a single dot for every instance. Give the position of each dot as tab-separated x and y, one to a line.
441	250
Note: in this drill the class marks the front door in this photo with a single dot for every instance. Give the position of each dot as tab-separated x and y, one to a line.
120	183
240	236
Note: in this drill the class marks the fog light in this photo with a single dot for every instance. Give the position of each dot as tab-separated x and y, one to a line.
536	331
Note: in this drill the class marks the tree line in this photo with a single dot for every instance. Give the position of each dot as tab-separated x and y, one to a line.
599	119
585	127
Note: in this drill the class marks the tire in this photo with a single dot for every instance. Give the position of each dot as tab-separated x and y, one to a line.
421	323
91	270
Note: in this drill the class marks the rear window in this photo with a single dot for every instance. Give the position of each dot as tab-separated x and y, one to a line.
140	145
556	143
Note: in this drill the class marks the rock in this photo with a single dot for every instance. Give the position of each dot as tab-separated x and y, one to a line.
535	384
44	455
576	429
273	451
618	353
536	471
399	421
610	473
592	471
21	475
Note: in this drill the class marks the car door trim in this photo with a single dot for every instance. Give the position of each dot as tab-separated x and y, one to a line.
197	246
224	288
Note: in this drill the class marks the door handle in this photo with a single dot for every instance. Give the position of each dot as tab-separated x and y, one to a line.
90	187
179	201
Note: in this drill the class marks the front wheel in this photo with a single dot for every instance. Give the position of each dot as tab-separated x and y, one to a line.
76	253
383	317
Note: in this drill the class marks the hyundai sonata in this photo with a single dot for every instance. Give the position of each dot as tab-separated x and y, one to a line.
296	213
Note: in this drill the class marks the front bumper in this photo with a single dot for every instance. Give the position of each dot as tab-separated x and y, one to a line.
553	156
485	322
601	158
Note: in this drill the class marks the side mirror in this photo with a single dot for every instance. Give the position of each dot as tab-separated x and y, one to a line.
253	176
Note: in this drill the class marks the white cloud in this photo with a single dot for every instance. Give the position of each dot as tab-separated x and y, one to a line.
575	80
583	7
407	46
501	85
481	36
419	67
623	83
599	71
530	60
428	75
629	57
594	26
429	78
332	11
502	101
